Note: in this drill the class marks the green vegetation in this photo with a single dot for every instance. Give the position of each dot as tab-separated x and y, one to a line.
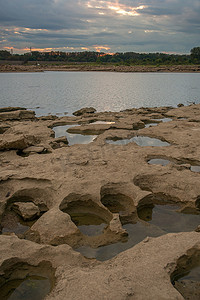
195	54
127	58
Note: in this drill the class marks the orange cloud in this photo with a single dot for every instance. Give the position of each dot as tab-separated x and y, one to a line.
100	48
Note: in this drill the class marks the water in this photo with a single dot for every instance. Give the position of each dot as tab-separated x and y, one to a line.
158	161
194	274
157	220
195	169
136	233
163	120
140	141
71	137
12	223
168	219
151	124
62	92
88	224
31	288
189	284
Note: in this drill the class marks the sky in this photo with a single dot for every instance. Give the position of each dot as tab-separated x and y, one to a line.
171	26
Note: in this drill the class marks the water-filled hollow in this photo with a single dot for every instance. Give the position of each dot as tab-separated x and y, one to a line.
73	138
142	141
24	282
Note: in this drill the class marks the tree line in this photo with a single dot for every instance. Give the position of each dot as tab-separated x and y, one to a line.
127	58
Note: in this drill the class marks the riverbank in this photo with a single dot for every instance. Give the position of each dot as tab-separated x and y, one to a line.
105	68
61	202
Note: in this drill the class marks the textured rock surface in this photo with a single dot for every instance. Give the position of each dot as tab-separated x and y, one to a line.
62	180
85	110
27	211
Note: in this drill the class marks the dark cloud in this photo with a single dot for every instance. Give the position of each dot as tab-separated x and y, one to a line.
161	25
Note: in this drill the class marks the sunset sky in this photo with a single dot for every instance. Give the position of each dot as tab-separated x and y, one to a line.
171	26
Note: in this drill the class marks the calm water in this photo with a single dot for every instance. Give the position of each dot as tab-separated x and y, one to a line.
31	288
160	219
71	137
140	141
61	92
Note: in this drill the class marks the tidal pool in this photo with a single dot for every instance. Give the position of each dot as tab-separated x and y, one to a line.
158	161
195	169
88	224
155	220
189	284
162	120
168	219
140	141
71	137
136	233
150	124
31	288
12	223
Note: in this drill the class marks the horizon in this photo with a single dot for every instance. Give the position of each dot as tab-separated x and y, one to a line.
49	50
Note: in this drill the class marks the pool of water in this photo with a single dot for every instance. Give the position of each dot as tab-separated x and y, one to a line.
162	120
155	221
189	284
195	169
140	141
71	137
136	233
150	124
12	223
88	224
168	219
32	288
158	161
193	274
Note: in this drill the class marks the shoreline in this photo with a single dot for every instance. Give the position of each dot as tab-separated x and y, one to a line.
7	68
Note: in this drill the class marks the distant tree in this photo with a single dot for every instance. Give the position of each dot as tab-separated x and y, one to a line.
4	54
195	54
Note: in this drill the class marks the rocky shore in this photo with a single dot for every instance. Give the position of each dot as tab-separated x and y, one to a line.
52	193
105	68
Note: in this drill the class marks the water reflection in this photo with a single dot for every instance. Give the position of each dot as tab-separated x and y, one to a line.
158	161
151	124
189	284
13	223
140	140
71	137
136	233
195	169
58	92
31	288
88	224
162	120
156	220
168	219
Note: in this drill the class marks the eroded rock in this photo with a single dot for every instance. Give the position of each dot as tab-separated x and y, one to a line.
86	110
17	115
54	228
73	186
27	210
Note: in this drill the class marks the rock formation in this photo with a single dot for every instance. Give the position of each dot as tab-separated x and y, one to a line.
60	194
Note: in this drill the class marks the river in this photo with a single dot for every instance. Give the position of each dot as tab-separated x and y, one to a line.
64	92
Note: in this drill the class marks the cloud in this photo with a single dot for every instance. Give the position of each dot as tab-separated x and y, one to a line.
172	25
